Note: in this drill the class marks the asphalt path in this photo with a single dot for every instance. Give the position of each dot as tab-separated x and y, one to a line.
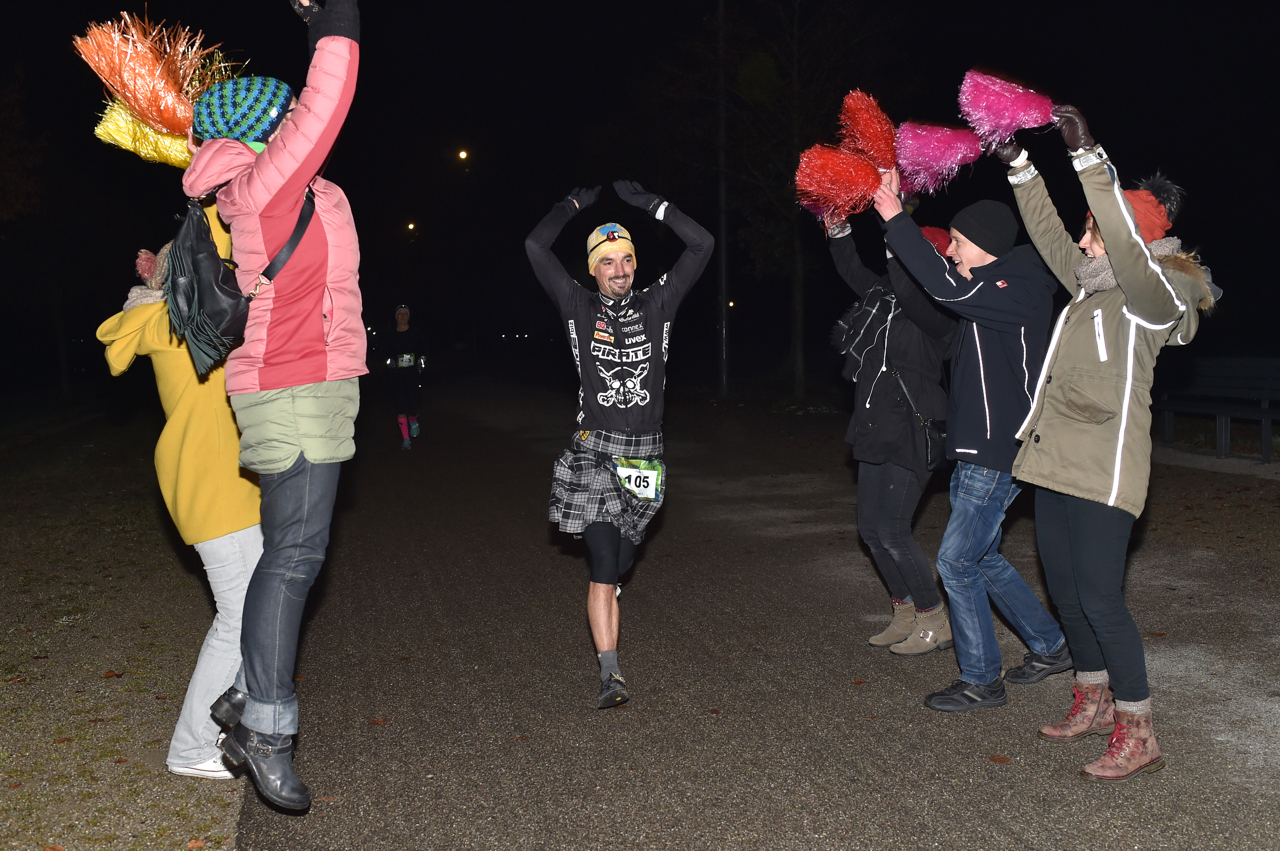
447	678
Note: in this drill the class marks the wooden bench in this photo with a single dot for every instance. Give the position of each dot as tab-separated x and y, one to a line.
1227	388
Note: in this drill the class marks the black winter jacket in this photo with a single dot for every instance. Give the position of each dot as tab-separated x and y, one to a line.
1007	308
619	347
897	326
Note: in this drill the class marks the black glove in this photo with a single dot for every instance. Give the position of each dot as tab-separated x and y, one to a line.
1075	132
334	17
1008	152
633	193
582	198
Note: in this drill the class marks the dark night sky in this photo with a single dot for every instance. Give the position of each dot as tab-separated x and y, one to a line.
547	96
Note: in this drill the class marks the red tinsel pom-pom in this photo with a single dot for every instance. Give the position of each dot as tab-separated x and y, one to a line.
929	156
995	108
865	129
833	184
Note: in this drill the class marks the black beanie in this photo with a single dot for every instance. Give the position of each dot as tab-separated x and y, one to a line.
989	225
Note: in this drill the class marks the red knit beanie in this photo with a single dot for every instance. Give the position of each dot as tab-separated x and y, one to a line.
940	238
1153	222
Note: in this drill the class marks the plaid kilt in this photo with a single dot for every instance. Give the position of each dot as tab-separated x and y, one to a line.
585	489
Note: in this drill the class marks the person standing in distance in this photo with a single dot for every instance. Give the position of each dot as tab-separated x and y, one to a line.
610	483
405	361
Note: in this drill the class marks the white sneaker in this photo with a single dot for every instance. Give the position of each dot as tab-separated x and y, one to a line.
210	769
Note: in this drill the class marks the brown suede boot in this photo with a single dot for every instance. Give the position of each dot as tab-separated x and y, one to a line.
932	631
1092	713
902	625
1131	751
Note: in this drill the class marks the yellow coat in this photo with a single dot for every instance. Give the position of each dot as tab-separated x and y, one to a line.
197	456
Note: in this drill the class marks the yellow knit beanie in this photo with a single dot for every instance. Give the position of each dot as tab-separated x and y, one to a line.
606	239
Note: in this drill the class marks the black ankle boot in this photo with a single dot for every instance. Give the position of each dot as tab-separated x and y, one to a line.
270	760
228	708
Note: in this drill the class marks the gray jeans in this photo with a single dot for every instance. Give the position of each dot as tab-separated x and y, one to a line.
228	563
297	508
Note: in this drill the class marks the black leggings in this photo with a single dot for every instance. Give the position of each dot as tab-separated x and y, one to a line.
887	500
1083	545
611	552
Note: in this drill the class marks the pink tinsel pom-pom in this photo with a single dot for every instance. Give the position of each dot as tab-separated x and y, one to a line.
833	184
865	129
145	264
995	108
930	156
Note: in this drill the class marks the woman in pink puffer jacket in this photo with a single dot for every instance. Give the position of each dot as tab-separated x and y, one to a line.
293	383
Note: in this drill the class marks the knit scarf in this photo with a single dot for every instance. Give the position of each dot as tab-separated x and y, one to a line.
1095	273
139	296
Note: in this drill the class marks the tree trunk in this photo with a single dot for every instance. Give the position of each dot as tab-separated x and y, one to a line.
797	310
797	268
64	357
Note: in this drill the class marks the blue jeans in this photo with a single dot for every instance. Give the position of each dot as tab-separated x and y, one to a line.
972	568
297	507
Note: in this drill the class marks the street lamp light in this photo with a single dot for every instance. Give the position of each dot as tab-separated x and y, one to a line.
462	155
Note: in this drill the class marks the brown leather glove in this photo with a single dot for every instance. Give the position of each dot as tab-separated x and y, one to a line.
1075	132
1008	152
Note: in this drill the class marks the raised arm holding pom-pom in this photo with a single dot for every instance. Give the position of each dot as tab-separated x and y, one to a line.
888	200
1075	132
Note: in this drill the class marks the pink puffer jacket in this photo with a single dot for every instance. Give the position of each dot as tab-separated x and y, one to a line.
307	326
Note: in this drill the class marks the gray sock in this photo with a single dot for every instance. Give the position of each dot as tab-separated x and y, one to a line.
608	664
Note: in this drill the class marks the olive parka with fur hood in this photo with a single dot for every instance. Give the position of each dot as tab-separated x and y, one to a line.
1089	430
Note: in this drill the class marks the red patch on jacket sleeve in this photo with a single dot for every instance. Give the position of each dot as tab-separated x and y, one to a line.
1001	284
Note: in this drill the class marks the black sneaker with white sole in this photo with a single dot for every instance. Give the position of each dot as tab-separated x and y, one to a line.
613	692
1036	666
961	696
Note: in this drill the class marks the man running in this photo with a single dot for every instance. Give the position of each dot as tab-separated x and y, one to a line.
612	481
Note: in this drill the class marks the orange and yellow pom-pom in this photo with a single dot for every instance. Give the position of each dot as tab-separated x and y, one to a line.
865	129
122	128
833	184
157	71
126	58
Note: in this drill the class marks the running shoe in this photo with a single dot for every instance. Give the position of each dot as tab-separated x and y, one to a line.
1036	666
211	769
613	692
961	696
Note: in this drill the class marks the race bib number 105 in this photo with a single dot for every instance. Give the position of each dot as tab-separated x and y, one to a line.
642	478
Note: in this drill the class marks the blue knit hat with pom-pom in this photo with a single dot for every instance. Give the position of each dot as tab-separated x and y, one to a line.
248	109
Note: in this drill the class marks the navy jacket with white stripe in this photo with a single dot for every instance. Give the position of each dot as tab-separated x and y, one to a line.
1007	308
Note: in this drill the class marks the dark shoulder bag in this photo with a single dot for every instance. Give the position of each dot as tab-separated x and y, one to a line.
935	431
206	307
